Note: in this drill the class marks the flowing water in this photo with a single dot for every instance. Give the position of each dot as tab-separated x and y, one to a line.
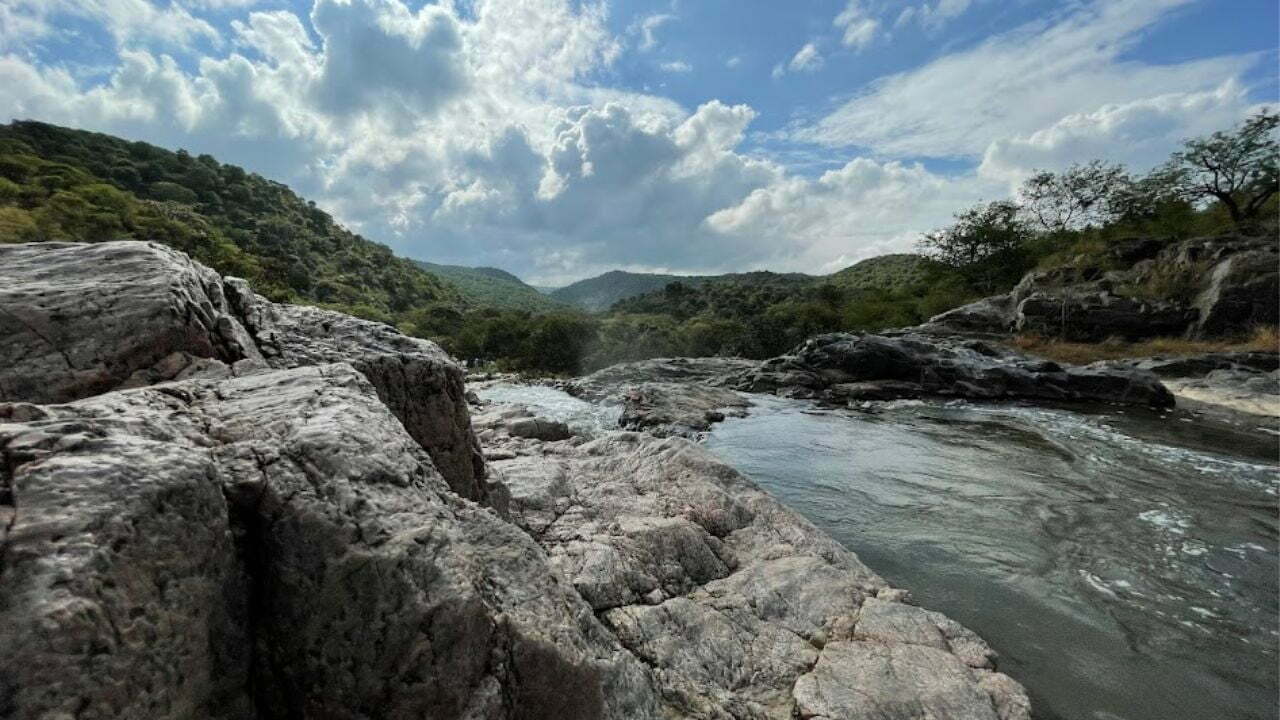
1124	565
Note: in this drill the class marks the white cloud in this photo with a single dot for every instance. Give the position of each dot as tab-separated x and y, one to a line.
127	21
1015	84
1140	134
733	62
675	66
933	17
806	59
863	209
647	29
860	29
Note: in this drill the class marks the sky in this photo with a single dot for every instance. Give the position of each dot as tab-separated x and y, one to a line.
558	139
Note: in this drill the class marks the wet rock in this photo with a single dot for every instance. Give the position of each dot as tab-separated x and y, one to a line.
848	366
276	545
677	409
610	382
539	429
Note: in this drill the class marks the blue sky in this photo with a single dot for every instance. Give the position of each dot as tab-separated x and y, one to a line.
560	138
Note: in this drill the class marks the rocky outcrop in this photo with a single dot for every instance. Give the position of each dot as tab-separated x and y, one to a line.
1243	382
77	320
271	546
844	367
81	319
668	396
740	608
1202	288
281	523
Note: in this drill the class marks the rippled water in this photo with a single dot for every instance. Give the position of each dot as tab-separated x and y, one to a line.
582	417
1125	566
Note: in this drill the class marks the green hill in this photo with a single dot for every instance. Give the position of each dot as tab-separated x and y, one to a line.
886	272
72	185
600	293
492	287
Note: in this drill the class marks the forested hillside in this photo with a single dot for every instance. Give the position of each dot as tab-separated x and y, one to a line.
492	287
63	184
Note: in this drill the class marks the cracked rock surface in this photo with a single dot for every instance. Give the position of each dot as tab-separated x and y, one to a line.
740	607
276	546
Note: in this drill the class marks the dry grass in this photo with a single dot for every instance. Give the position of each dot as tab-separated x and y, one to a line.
1263	339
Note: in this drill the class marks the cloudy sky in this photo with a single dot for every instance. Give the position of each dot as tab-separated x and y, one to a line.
561	138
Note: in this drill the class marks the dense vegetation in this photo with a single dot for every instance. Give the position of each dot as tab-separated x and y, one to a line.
59	184
491	287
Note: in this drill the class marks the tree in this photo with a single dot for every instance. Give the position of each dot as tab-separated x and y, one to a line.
985	245
1077	197
1237	168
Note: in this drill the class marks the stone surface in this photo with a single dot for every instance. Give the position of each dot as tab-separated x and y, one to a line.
77	320
539	429
731	599
842	366
667	396
275	545
81	319
421	384
1225	287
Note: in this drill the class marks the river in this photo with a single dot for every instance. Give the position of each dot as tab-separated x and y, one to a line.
1124	565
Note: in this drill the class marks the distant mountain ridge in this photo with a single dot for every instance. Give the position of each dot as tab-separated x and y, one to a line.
493	287
600	293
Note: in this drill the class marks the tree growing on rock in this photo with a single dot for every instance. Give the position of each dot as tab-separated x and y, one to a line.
1239	168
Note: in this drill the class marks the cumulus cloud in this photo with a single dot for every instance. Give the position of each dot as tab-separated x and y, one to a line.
675	66
1016	84
485	135
860	29
1140	133
863	209
933	17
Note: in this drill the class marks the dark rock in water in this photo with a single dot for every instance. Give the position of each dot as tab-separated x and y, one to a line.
668	396
538	428
276	546
845	366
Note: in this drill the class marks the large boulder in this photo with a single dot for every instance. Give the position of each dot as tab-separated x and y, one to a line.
743	609
81	319
1096	315
421	384
77	320
275	545
845	366
1241	292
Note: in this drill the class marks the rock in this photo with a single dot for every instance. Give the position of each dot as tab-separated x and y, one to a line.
678	409
1093	316
846	366
421	384
612	381
276	545
729	597
1242	291
539	429
856	681
77	320
994	315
